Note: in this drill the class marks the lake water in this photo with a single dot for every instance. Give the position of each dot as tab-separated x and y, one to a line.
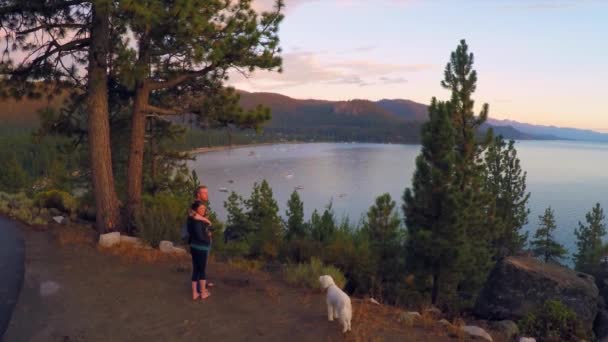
568	176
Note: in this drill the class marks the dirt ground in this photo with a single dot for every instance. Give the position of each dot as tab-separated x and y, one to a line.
74	292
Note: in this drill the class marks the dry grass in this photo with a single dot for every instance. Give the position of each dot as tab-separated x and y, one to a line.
246	265
130	253
75	236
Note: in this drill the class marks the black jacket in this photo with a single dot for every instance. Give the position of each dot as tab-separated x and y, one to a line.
198	232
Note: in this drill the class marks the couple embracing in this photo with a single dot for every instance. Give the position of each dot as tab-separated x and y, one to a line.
199	238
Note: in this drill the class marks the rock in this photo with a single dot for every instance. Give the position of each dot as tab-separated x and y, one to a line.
507	328
444	323
179	251
433	312
109	239
130	240
55	212
59	219
48	288
518	285
476	332
374	301
527	339
410	317
600	325
166	246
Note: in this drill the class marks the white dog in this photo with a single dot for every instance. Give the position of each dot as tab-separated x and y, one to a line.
338	303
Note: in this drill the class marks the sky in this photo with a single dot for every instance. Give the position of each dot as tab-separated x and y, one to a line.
541	62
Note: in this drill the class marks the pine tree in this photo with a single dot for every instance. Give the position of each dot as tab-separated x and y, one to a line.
589	240
323	227
506	182
383	227
184	50
473	201
434	241
66	44
544	244
296	228
266	227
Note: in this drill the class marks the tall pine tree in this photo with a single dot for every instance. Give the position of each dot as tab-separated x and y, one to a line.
64	46
434	240
544	245
296	228
383	227
473	201
506	182
589	240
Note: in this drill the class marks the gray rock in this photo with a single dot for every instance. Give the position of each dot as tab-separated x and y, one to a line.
476	333
507	328
166	246
59	219
109	239
48	288
179	251
518	285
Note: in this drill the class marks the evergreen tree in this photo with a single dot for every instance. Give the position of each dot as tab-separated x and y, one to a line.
13	178
266	226
589	240
434	241
323	227
66	45
237	223
184	49
506	182
473	203
296	228
544	244
383	227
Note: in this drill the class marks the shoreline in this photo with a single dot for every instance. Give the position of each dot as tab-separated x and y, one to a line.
203	150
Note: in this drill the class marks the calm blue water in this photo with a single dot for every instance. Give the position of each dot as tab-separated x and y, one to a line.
568	176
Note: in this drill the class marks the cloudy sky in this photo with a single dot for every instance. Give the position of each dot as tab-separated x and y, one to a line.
538	61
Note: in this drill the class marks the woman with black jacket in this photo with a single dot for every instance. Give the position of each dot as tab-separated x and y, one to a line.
199	230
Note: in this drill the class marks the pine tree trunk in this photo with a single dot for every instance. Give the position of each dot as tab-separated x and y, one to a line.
136	152
435	288
138	135
106	201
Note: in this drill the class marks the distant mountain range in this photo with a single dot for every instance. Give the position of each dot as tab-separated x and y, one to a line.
387	120
289	114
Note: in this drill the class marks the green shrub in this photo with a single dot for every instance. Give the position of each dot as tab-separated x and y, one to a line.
308	274
57	199
38	221
162	217
4	208
552	321
233	249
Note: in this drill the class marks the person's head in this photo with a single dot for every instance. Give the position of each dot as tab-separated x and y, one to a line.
201	193
199	207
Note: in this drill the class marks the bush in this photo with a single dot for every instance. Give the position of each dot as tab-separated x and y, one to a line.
162	217
308	274
233	249
552	321
57	199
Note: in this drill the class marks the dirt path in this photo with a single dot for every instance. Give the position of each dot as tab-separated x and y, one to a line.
73	292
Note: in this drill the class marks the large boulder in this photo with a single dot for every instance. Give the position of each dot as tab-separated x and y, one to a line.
519	284
109	239
476	333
